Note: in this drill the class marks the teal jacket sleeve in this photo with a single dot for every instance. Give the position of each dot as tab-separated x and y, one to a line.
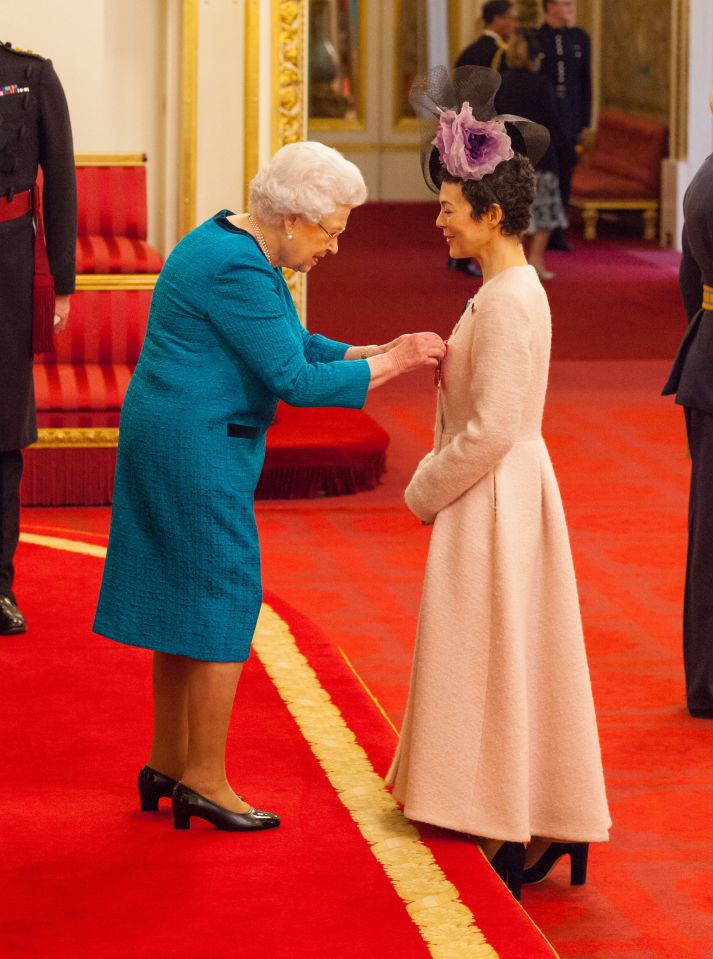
246	309
320	349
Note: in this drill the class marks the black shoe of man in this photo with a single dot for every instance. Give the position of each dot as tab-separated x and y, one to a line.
559	242
11	619
465	266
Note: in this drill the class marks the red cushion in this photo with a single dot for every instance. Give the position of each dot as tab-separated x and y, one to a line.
105	326
87	419
112	201
630	147
593	184
116	254
84	386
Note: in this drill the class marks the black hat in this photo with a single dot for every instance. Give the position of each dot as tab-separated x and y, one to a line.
461	129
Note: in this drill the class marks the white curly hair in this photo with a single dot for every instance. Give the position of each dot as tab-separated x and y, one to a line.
307	178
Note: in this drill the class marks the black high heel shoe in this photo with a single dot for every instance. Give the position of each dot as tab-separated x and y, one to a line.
577	852
187	803
153	786
508	863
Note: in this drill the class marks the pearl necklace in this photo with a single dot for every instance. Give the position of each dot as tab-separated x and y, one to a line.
262	243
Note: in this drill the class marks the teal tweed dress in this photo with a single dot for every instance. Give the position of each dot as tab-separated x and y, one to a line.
223	344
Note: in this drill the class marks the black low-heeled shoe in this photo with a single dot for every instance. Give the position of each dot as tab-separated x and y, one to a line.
153	786
187	803
577	852
508	863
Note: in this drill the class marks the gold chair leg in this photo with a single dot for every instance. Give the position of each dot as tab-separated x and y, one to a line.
590	218
650	217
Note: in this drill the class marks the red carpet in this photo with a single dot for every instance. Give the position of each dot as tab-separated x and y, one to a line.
85	873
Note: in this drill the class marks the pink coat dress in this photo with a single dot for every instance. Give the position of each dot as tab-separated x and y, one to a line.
500	737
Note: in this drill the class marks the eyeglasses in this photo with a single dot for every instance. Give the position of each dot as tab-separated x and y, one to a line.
332	236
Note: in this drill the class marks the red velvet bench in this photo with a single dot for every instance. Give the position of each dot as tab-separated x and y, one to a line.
621	171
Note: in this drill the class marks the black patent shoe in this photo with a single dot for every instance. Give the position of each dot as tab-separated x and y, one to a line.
153	786
578	853
11	619
187	803
508	863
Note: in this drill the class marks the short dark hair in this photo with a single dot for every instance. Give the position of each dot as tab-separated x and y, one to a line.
495	8
546	4
512	185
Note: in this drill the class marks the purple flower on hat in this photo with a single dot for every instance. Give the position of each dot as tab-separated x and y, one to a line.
471	148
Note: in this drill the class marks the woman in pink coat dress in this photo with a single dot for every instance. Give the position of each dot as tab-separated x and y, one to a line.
499	739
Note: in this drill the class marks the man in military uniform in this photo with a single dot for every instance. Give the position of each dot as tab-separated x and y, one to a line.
692	381
489	49
34	132
567	62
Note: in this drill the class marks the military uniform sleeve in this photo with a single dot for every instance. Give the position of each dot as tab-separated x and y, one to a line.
60	184
247	310
690	279
501	379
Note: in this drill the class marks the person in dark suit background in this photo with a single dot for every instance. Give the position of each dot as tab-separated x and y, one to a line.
691	380
567	62
35	132
489	49
527	92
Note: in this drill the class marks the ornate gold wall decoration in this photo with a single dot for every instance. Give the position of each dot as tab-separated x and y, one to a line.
636	57
289	71
289	87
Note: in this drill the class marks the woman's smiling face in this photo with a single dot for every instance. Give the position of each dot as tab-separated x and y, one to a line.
464	235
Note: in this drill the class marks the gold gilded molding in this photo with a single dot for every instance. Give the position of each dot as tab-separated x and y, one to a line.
445	923
289	98
110	159
189	117
76	438
116	281
454	23
251	55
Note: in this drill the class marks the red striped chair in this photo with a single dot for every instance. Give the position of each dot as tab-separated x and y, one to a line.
80	389
112	223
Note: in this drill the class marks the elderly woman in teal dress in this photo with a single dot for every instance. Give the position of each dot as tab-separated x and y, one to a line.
223	345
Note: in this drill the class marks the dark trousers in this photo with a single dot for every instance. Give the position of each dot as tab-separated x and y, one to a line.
566	172
698	599
10	473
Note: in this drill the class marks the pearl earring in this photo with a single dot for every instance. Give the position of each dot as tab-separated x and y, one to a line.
290	236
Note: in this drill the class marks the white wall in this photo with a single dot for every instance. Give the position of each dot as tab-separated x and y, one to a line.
111	58
221	114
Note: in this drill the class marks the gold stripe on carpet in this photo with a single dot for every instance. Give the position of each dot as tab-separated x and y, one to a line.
446	924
